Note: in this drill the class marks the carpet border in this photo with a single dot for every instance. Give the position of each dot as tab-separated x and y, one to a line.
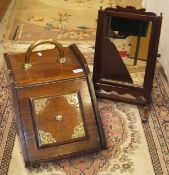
4	166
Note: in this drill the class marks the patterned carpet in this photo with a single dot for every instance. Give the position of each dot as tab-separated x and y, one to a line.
133	148
157	128
124	135
63	20
127	151
7	128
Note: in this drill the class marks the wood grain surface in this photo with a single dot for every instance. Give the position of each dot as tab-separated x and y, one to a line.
3	7
105	86
51	81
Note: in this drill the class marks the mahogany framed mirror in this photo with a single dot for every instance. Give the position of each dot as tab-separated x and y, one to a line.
125	54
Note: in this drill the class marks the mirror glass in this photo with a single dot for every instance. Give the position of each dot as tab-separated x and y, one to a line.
125	50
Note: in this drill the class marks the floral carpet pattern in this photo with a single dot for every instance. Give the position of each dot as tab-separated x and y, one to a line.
127	147
157	128
124	134
132	149
7	128
63	20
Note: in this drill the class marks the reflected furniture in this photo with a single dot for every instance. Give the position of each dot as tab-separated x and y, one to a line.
127	78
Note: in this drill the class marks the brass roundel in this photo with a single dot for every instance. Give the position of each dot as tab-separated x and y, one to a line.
59	118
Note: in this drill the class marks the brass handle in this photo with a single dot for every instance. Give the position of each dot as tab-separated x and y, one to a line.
61	58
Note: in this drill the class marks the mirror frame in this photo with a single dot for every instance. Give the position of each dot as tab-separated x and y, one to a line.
112	90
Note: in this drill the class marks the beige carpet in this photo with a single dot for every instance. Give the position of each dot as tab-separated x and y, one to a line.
131	150
127	151
64	20
127	145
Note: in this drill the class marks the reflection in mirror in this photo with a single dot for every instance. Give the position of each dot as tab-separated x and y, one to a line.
126	52
126	44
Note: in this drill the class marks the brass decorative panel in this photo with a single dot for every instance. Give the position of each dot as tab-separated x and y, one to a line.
78	131
46	137
40	104
72	99
58	119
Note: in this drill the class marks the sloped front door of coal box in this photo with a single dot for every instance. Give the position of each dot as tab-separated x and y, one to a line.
58	120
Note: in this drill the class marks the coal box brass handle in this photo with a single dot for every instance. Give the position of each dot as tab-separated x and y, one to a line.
60	60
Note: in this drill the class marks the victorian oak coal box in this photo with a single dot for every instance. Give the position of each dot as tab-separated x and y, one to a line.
56	111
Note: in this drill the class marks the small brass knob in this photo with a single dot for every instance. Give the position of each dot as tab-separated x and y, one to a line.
59	118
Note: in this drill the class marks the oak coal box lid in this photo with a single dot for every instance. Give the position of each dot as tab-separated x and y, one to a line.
55	104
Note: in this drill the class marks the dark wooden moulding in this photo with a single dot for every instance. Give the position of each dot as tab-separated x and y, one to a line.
44	80
101	83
